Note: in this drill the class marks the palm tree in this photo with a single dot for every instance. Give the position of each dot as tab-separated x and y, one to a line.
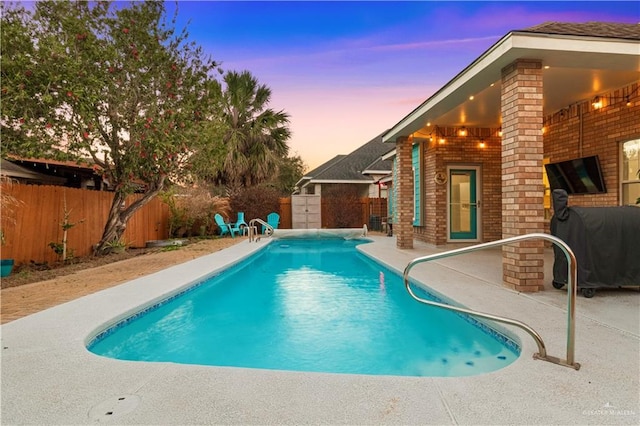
254	136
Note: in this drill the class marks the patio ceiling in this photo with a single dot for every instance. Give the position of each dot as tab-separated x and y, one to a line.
579	68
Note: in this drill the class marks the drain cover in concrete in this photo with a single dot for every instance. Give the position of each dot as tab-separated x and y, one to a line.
114	407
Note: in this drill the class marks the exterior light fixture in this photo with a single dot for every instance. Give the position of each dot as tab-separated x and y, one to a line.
482	144
436	135
462	131
597	102
500	132
471	97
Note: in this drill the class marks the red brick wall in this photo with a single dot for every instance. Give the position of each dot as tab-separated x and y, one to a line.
404	195
603	130
522	188
458	150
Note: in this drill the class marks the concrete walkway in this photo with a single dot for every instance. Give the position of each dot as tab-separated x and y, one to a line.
48	376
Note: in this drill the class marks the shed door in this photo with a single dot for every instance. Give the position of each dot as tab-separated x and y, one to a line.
305	212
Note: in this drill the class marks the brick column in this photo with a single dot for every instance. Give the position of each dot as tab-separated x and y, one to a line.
404	195
522	187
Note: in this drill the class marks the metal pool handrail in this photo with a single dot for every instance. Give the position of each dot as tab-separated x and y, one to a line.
571	294
253	229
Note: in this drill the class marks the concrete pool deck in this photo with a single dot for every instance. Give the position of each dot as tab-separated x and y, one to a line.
48	376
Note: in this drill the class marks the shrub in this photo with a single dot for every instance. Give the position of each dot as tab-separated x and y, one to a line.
255	202
8	206
192	211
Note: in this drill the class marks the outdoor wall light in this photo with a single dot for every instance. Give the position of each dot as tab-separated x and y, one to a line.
436	135
500	131
482	144
597	102
462	131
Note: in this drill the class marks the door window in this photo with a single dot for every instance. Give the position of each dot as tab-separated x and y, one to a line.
463	214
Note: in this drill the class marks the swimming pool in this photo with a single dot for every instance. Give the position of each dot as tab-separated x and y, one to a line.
309	305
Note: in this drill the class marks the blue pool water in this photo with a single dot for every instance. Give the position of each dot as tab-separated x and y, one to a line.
309	305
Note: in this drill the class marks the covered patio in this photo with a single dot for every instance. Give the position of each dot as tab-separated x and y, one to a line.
501	118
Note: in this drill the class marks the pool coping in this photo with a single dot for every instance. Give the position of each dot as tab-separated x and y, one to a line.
49	377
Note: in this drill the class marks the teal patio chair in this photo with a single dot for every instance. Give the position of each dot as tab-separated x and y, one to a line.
273	219
240	223
225	228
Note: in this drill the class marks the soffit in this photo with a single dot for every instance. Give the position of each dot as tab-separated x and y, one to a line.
579	69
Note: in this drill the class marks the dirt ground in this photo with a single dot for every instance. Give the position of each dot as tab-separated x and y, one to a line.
29	290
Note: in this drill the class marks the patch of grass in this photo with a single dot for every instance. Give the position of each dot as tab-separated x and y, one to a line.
23	274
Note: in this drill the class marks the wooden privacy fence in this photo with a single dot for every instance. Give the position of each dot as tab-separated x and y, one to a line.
36	221
374	213
286	219
343	213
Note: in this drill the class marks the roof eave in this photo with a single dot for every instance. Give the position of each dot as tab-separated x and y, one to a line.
367	181
488	57
376	172
574	51
302	179
389	155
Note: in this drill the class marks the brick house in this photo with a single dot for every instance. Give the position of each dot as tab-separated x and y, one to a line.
470	160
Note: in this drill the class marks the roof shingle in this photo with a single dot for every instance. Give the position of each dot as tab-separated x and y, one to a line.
591	29
350	167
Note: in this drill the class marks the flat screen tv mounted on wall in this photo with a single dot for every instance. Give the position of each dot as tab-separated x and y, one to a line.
579	176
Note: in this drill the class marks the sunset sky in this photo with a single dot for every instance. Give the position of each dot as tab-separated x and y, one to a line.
347	71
